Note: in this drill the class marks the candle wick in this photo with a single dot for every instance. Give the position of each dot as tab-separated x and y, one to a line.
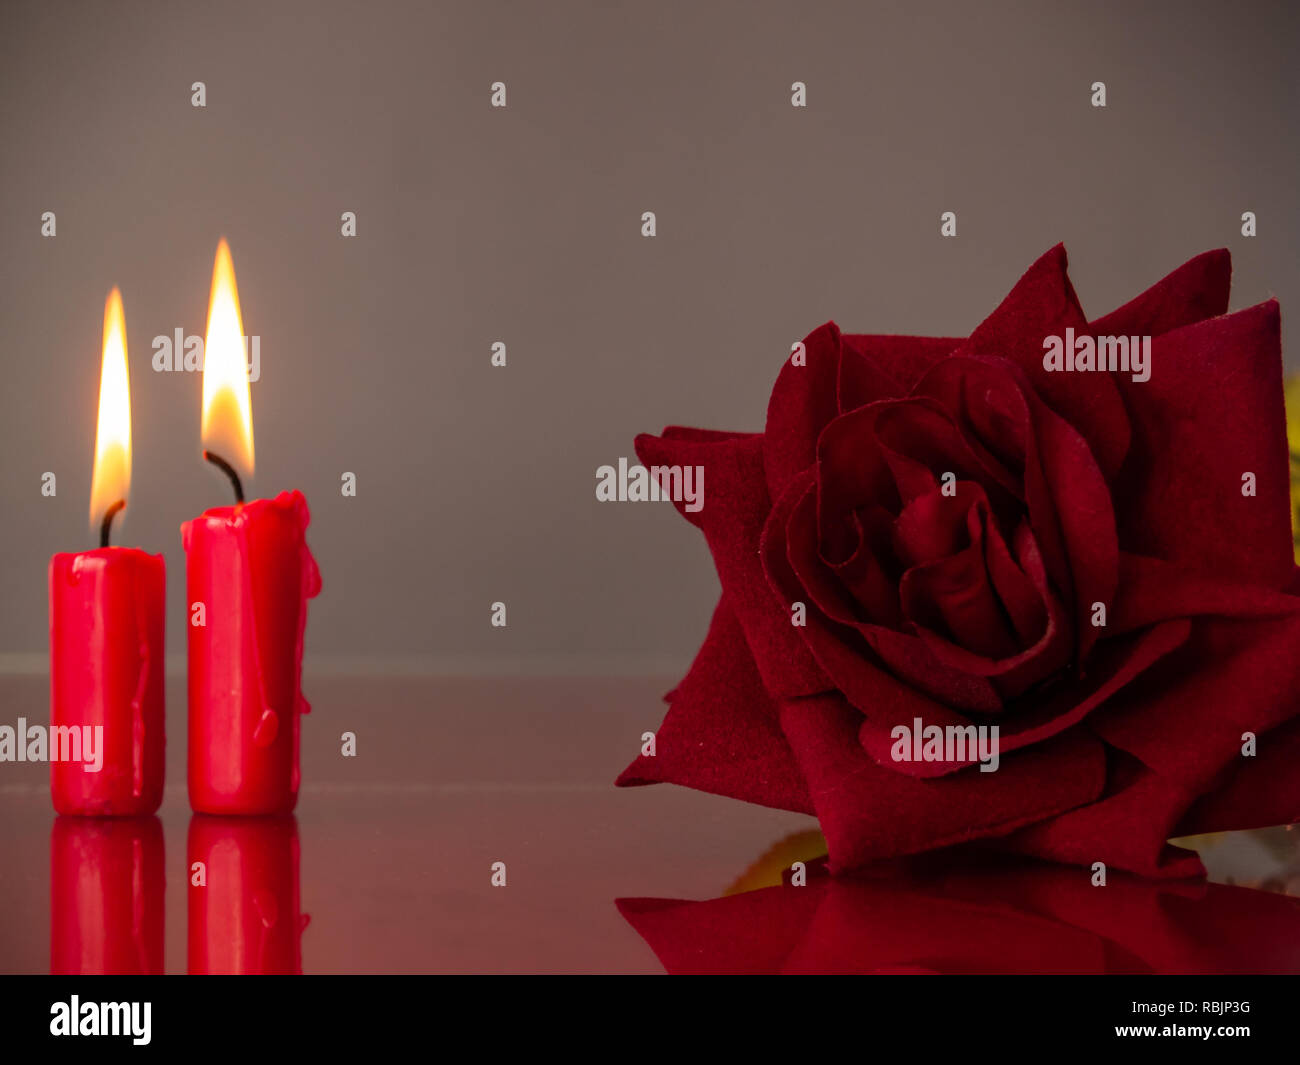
229	471
107	524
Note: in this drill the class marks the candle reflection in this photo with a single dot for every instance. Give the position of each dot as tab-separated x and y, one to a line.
243	895
958	915
106	896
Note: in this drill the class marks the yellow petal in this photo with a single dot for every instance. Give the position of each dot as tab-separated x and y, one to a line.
766	872
1293	439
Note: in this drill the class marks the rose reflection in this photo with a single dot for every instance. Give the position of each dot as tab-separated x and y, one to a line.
953	915
106	896
243	896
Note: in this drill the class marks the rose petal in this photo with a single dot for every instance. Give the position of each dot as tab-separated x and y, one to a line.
735	508
1044	630
867	575
679	445
884	455
1020	583
841	644
953	599
1186	719
1066	496
1195	291
1126	829
1212	412
1115	666
934	526
869	812
721	734
1253	792
869	594
834	377
1043	304
904	358
1151	590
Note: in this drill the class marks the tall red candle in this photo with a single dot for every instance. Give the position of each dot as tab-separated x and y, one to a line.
106	896
250	567
106	740
249	574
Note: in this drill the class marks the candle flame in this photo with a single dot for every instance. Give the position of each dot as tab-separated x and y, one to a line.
111	480
227	423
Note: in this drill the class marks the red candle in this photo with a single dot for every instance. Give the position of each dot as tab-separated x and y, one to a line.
106	740
106	896
244	915
249	574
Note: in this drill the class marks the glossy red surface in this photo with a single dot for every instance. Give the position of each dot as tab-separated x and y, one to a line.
107	881
243	911
396	847
250	567
106	671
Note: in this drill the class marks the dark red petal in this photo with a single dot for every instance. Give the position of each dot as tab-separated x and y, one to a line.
851	473
1113	667
868	376
866	576
792	528
1211	412
843	646
1151	591
1082	504
679	445
886	454
1195	291
1254	792
904	358
735	509
1066	495
1044	631
721	734
869	812
924	434
1020	582
933	526
954	599
1127	829
1043	304
804	399
1185	719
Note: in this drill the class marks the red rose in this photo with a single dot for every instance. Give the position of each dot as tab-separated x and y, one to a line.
1075	557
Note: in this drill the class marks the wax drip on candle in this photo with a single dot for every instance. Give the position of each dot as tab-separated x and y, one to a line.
107	524
229	471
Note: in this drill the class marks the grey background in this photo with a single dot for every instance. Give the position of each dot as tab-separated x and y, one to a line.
523	225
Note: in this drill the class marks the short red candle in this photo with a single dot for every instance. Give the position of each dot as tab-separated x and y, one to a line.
106	896
106	675
106	631
250	567
244	918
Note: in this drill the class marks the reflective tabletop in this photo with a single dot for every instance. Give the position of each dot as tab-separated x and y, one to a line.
477	830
